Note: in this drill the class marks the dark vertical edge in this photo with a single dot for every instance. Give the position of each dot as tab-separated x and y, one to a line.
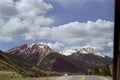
116	40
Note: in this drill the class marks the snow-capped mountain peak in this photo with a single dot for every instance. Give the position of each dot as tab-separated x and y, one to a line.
27	50
87	50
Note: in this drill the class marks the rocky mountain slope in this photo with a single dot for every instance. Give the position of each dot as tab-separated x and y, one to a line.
90	56
13	63
34	53
44	57
79	60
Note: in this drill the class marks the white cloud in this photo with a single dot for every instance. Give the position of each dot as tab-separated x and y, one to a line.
70	32
97	34
91	33
13	28
23	8
43	21
6	2
2	22
38	33
77	32
8	9
32	7
55	46
94	34
26	28
24	19
7	30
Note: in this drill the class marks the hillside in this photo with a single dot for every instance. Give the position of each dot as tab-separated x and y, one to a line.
61	63
92	57
80	60
20	66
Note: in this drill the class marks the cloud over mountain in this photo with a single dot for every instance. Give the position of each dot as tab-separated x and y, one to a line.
31	20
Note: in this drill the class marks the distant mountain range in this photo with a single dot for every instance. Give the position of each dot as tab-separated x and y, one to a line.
80	60
87	50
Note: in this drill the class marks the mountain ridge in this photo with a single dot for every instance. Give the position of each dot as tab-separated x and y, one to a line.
85	50
21	67
43	56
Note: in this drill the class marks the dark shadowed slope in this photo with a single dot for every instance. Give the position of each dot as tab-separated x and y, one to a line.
81	61
20	66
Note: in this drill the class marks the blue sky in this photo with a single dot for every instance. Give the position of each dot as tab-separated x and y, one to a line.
60	24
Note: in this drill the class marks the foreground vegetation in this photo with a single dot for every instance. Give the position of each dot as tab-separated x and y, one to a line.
15	64
9	75
14	68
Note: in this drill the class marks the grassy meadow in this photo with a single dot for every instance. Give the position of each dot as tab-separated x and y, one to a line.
9	75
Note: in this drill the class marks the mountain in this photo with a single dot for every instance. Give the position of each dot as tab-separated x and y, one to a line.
88	57
87	50
78	60
33	53
91	57
46	58
13	63
61	63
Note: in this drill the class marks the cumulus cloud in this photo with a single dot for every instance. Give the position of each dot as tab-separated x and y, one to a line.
24	18
13	28
23	8
8	11
77	32
97	34
32	7
6	2
55	46
43	21
2	22
38	33
26	28
91	33
7	8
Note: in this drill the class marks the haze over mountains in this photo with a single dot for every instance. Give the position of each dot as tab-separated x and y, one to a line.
80	60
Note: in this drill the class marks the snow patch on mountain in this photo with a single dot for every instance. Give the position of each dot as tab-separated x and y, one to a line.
27	50
87	50
43	48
